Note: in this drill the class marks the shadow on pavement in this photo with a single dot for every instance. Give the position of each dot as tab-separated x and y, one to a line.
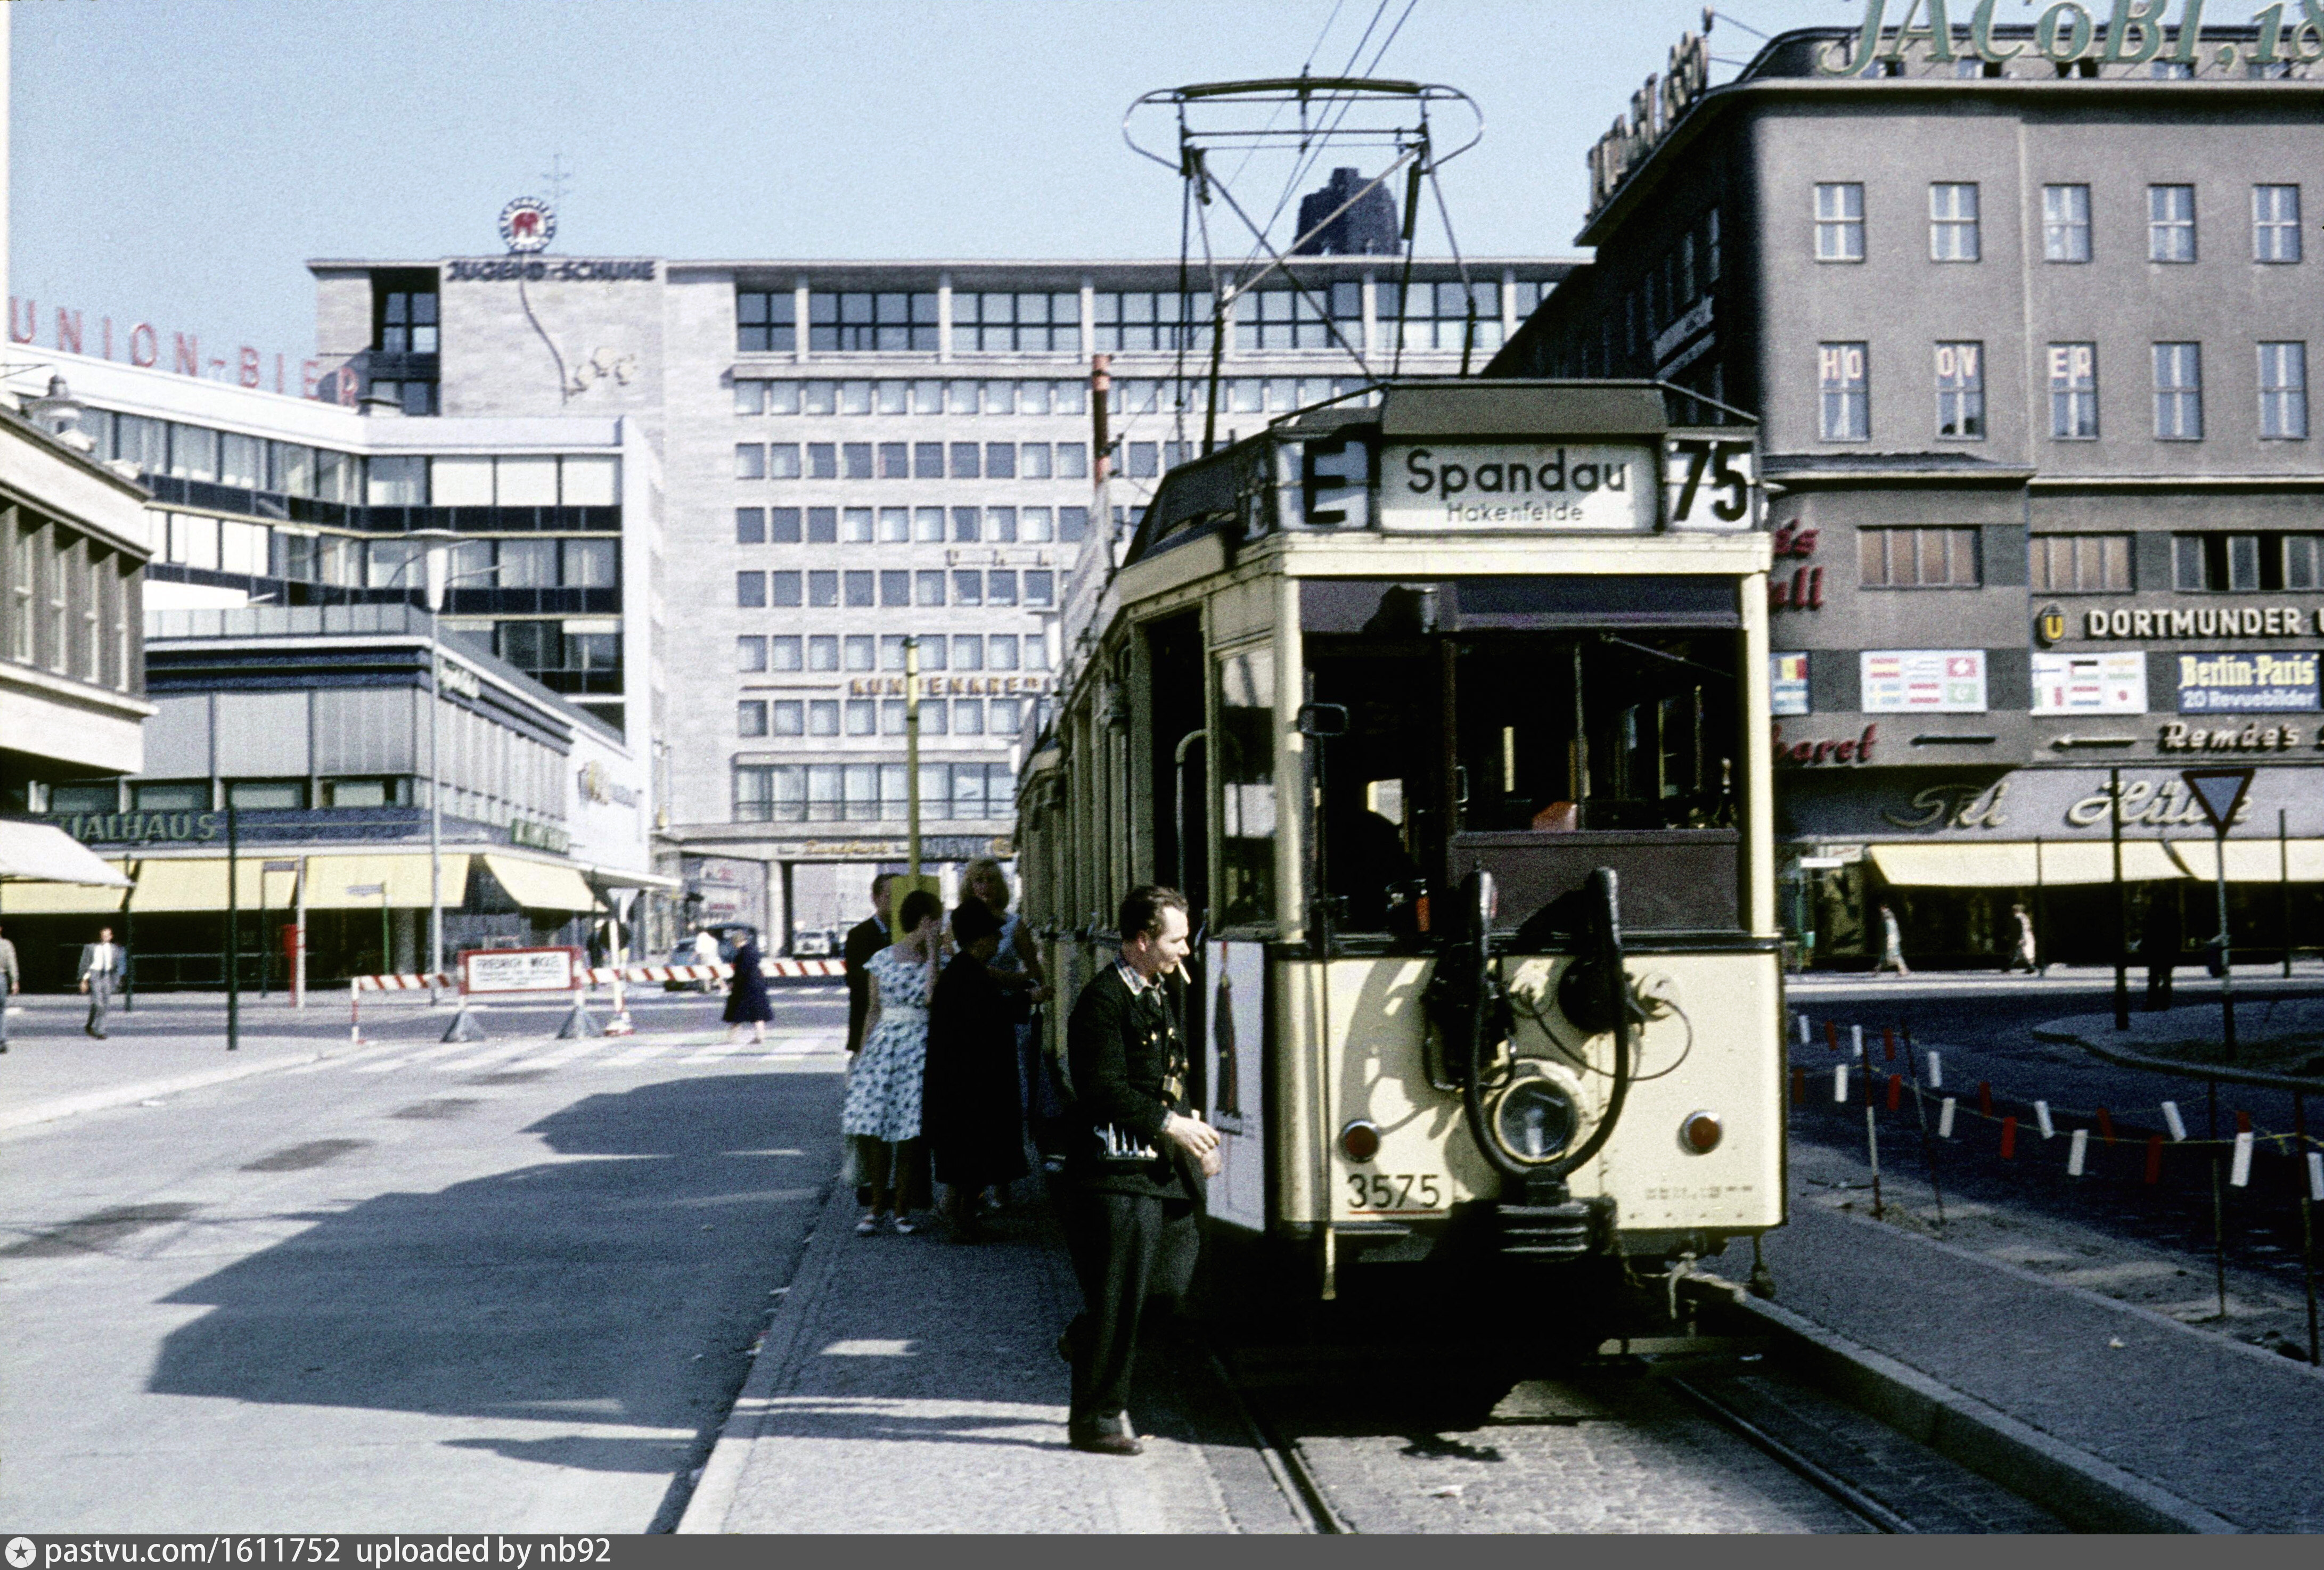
617	1290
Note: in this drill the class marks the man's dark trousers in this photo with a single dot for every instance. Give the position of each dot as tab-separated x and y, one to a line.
1127	1248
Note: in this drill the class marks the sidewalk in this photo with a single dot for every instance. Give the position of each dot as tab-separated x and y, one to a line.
2210	1421
52	1070
2191	980
912	1384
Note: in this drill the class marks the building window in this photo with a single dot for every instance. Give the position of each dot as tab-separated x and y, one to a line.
854	322
928	587
2244	562
968	587
1144	460
750	460
1960	391
787	716
2178	393
967	461
1073	461
822	717
750	525
895	460
1435	315
855	460
928	460
2079	564
1917	558
1039	586
1049	323
823	591
783	526
766	322
822	525
750	590
750	653
822	461
1141	320
2065	223
1839	223
783	653
784	594
407	322
1001	459
2073	391
2283	392
1953	222
2275	223
751	717
2170	223
1845	407
782	460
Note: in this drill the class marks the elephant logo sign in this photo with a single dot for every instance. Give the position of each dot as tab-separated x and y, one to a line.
527	224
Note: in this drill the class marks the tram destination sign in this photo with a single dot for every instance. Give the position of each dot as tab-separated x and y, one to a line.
1524	486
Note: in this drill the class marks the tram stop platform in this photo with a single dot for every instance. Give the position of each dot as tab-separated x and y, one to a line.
911	1384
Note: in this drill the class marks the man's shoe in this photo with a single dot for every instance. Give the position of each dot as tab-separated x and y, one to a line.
1104	1435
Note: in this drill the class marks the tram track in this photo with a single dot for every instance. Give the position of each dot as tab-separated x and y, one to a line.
1669	1439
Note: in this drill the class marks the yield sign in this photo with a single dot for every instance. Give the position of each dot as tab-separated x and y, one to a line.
2221	792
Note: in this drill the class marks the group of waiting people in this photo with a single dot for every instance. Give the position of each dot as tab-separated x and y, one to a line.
938	1014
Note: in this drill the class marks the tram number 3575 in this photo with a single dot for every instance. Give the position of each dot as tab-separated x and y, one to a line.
1394	1191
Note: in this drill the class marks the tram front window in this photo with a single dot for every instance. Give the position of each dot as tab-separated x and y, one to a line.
1522	734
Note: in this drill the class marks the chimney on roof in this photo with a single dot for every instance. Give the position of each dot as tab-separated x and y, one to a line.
1367	228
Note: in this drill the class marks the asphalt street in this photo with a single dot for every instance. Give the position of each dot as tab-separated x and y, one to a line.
403	1287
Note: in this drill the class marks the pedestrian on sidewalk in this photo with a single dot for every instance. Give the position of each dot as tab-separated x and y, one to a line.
881	1116
706	951
1016	967
2160	937
972	1118
746	995
1892	943
11	979
864	939
2023	954
101	968
1142	1156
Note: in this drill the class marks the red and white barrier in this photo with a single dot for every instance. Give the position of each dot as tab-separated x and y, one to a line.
398	983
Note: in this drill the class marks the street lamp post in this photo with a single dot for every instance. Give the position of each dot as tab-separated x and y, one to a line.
438	544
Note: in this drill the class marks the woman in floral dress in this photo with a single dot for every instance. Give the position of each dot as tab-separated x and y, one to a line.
882	1114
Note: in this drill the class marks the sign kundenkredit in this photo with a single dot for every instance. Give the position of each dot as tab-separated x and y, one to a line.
2211	621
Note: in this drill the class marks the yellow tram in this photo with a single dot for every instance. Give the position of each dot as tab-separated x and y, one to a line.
1448	708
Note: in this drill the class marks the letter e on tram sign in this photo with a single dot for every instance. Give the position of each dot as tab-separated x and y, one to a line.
484	970
2221	792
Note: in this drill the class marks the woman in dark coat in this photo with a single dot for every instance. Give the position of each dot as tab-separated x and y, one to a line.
971	1114
746	997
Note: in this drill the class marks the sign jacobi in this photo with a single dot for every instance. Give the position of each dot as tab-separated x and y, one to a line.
2132	35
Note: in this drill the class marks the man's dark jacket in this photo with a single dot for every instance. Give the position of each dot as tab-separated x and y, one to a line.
1120	1047
864	939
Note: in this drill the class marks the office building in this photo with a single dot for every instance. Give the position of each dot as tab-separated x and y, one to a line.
856	453
2025	314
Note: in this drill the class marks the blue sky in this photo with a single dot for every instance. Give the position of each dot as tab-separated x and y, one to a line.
176	162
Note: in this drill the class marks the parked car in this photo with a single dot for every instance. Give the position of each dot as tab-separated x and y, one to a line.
729	940
811	944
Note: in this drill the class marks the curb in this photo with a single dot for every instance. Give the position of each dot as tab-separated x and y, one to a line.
2089	1494
2055	1031
778	1360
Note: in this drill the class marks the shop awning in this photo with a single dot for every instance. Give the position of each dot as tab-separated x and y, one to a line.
43	853
60	899
536	885
329	878
2252	861
2020	864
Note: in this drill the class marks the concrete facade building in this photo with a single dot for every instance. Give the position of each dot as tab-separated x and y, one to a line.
2025	317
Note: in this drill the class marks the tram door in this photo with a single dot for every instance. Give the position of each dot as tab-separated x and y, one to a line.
1179	795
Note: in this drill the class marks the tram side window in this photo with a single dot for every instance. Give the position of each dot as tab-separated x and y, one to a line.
1629	731
1246	774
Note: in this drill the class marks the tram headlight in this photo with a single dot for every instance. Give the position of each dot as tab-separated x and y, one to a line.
1535	1118
1361	1139
1699	1134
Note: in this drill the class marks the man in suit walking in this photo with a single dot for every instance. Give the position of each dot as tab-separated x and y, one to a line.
102	964
11	980
1140	1162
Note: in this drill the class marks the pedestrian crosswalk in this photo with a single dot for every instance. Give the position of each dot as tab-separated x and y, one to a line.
782	1048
